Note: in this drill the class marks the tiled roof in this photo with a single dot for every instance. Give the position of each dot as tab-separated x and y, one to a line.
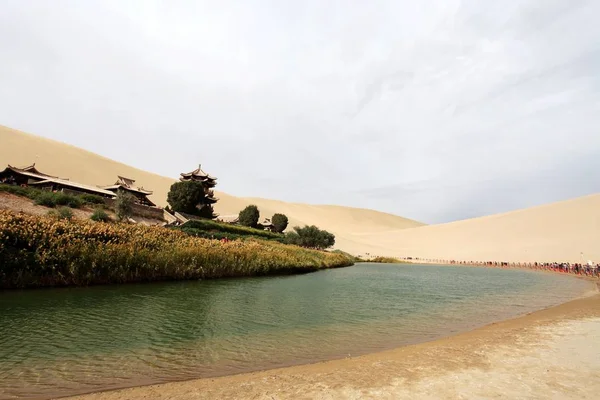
76	185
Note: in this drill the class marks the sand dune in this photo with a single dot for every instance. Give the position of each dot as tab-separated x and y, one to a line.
56	158
558	231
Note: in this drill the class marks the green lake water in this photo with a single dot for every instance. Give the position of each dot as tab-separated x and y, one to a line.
57	342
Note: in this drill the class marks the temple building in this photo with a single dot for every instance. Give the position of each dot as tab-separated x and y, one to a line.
127	185
24	175
208	182
267	224
31	176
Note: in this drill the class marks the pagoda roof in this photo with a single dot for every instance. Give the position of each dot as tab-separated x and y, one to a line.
31	171
232	218
127	184
75	186
198	173
267	223
131	189
125	181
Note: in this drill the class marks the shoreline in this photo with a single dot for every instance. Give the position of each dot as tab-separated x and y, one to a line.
412	364
43	251
512	267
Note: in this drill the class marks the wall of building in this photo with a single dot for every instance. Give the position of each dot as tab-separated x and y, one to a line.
140	210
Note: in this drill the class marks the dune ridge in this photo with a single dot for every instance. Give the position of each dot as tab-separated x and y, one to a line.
562	231
19	149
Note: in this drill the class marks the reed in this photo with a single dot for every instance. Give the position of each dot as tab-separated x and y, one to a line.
38	251
386	260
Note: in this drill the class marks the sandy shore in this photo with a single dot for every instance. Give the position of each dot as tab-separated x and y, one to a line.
549	354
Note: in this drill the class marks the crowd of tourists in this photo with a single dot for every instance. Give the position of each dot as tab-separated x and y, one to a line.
583	269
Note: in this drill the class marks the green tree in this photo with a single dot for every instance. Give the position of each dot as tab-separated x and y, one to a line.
293	238
190	197
185	196
280	222
207	211
124	205
249	216
310	237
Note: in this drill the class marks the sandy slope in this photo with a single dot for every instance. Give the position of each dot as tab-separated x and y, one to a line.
554	232
558	231
56	158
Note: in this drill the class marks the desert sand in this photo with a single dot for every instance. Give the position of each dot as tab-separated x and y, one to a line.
66	161
548	354
559	231
551	353
554	232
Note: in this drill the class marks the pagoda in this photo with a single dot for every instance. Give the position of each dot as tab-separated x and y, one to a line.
208	182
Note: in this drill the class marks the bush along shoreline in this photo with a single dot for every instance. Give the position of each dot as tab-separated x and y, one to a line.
41	251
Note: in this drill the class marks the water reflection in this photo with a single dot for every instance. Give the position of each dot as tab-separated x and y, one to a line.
65	341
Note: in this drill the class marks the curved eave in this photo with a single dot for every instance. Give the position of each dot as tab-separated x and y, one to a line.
190	175
31	169
193	178
195	174
117	187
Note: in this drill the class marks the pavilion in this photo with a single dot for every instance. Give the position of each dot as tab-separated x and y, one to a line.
127	185
208	182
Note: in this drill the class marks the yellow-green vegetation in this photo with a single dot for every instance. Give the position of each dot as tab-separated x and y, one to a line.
386	260
40	251
349	256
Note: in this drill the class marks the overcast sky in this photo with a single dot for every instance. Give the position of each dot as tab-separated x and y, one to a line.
435	110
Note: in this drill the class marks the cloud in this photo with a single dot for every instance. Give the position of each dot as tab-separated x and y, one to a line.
417	108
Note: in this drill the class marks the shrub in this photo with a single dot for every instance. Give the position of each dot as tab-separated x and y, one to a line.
293	238
92	199
64	199
19	191
124	205
198	225
249	216
47	199
51	199
216	235
99	215
40	251
61	213
310	237
386	260
280	222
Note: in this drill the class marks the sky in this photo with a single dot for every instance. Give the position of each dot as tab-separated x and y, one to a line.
436	110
